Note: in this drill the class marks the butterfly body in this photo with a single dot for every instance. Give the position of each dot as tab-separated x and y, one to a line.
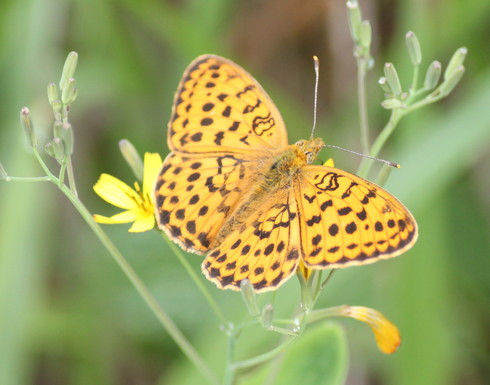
233	189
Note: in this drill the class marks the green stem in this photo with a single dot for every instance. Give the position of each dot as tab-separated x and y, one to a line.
199	283
362	101
261	358
396	115
229	376
71	176
61	177
150	300
415	80
27	179
321	314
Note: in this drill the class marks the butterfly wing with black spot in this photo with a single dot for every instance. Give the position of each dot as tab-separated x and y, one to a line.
265	249
349	221
219	107
195	195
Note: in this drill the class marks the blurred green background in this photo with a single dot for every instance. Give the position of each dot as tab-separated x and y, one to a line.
67	313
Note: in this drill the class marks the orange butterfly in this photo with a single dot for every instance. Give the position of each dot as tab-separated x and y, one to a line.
233	189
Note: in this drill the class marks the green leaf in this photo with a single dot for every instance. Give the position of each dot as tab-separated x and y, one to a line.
319	357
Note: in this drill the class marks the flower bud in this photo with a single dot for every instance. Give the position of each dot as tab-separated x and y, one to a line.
68	69
132	157
392	79
48	147
26	121
413	47
452	80
366	33
433	75
66	136
355	20
384	85
267	316
69	92
53	93
391	104
456	61
248	295
386	334
57	108
59	150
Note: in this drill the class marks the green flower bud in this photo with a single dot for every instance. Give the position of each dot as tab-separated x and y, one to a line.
57	127
392	79
132	157
48	147
68	69
384	85
267	316
366	34
26	121
69	92
433	75
413	47
248	295
57	106
59	150
452	81
53	93
355	20
66	136
391	104
456	61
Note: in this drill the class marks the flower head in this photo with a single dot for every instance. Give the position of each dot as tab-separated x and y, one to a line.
138	202
386	334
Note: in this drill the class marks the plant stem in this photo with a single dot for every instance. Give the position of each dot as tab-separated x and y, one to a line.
261	358
229	376
71	176
396	115
362	101
27	179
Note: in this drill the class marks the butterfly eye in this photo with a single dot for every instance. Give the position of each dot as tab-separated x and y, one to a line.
310	157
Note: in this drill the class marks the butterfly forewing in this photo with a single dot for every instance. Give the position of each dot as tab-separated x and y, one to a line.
220	107
348	220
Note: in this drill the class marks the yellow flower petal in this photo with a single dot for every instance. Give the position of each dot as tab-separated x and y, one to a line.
152	165
143	224
124	217
329	162
117	192
387	335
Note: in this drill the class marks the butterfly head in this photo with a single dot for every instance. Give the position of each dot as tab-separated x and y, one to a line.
308	149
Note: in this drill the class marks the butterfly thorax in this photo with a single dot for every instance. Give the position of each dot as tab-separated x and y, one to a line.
278	174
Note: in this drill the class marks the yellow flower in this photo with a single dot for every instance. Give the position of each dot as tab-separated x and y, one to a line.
387	335
138	203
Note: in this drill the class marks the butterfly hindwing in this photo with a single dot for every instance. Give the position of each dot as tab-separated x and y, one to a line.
348	220
264	248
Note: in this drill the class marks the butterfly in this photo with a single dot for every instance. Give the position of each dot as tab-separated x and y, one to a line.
234	190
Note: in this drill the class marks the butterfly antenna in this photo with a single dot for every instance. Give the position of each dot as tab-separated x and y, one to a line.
391	164
316	63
